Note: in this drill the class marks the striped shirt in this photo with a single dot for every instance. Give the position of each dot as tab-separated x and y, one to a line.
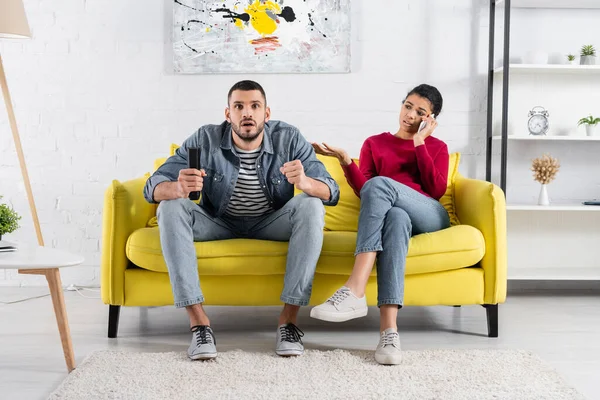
248	199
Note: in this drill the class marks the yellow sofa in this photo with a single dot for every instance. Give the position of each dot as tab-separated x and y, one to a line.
462	265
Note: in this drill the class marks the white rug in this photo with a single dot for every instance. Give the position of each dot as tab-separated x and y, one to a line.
338	374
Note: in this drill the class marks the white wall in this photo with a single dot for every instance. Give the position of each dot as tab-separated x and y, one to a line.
96	100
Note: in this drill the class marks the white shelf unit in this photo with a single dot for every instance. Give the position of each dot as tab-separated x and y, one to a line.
551	3
552	274
536	232
531	138
550	68
552	207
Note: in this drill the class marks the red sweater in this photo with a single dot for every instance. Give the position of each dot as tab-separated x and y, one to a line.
423	168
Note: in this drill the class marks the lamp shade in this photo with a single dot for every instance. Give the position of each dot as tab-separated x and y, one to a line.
13	21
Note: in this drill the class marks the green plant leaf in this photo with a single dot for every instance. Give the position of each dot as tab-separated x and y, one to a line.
588	121
9	219
588	50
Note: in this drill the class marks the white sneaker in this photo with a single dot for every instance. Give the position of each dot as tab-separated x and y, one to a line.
203	346
340	307
289	342
388	350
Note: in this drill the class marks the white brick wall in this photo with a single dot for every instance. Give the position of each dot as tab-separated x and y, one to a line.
96	99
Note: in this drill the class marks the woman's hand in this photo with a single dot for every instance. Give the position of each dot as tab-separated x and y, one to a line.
419	138
327	150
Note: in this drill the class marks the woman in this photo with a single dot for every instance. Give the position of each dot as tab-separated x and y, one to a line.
400	180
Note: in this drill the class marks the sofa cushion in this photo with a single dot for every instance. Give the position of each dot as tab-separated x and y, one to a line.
447	200
343	216
453	248
449	249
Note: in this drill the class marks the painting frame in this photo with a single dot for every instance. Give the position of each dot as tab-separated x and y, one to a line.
261	36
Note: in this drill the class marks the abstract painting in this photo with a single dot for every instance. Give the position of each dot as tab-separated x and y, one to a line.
261	36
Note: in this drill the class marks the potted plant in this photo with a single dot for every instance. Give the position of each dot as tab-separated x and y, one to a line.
544	170
571	58
9	219
588	55
590	123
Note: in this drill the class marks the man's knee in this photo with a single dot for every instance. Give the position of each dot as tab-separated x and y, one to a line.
171	208
309	208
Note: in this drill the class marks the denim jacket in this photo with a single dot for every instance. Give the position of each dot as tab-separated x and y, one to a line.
281	143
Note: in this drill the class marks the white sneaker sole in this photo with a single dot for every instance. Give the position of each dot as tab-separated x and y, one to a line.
388	359
205	356
333	316
289	353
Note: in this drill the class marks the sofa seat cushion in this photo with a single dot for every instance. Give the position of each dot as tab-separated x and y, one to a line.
457	247
219	257
453	248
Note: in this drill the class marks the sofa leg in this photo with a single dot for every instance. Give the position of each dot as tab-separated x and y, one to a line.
492	319
113	320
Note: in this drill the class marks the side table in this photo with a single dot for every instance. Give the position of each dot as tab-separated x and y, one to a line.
38	260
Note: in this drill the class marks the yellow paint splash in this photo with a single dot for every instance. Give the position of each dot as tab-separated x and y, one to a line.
259	18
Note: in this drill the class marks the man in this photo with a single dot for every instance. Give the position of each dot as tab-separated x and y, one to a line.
250	166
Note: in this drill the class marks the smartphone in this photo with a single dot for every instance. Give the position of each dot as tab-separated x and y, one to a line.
424	123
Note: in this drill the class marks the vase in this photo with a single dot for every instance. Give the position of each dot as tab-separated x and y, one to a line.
543	200
587	60
590	129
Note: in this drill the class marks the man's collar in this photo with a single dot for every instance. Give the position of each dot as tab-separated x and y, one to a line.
227	140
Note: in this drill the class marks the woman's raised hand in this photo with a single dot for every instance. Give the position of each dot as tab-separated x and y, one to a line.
327	150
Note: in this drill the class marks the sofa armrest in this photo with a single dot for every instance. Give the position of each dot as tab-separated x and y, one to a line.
124	211
482	205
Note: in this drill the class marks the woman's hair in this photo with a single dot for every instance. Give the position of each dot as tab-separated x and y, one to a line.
430	93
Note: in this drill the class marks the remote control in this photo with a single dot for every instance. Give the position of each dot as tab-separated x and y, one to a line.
592	203
194	162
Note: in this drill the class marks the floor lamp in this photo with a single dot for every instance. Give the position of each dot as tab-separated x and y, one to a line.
13	25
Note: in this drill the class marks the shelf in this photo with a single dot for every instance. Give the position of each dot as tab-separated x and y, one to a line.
550	68
551	207
530	138
551	3
552	274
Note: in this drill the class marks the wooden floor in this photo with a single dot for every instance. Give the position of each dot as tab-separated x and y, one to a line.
564	330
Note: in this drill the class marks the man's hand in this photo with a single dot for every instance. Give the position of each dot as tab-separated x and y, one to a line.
294	172
189	180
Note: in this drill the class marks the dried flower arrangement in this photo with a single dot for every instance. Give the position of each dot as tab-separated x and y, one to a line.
545	169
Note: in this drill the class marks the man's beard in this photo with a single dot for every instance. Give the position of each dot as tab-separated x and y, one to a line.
247	136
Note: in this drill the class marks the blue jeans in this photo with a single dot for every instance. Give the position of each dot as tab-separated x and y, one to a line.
390	213
300	221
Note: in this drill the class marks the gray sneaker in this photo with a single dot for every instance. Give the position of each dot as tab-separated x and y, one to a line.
388	350
203	346
340	307
288	341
